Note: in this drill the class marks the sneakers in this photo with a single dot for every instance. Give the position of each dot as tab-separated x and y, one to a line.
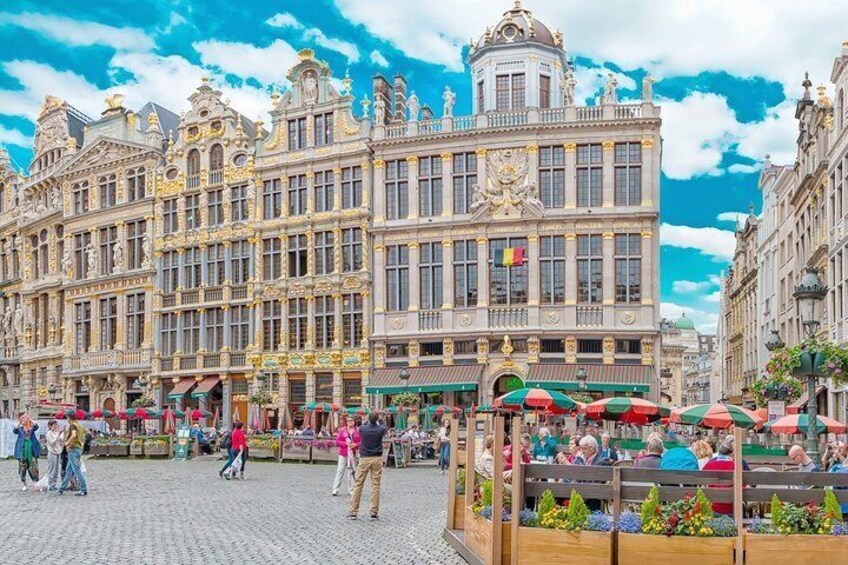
24	488
241	476
351	517
335	492
221	474
56	493
374	517
81	493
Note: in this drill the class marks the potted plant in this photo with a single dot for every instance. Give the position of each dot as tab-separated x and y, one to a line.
406	399
137	447
325	450
119	447
263	446
296	448
157	446
143	402
479	523
261	397
99	446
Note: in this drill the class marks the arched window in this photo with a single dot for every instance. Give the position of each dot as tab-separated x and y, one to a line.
193	164
107	185
43	251
216	157
33	243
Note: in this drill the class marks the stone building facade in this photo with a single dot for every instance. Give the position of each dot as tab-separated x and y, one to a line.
12	393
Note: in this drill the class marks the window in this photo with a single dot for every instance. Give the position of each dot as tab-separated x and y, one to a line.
324	129
544	91
297	323
325	321
351	249
272	258
552	346
324	387
215	264
352	392
214	329
590	346
82	321
135	184
628	346
108	323
590	175
135	243
168	333
430	186
240	262
552	176
507	285
324	191
81	198
590	269
431	275
481	97
216	161
397	277
108	238
107	186
170	271
272	319
193	163
509	92
628	174
464	179
465	347
552	263
239	327
215	207
193	260
432	349
351	187
297	134
397	350
40	254
135	320
397	190
352	320
272	199
628	268
192	211
297	195
324	256
191	331
238	203
465	273
169	216
297	256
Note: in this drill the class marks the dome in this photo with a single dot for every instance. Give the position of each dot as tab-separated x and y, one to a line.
684	323
519	26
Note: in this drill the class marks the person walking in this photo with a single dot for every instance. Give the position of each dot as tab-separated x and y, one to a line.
444	446
27	448
74	440
370	462
348	442
237	445
55	444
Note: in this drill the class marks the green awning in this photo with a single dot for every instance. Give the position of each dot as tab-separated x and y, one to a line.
599	387
441	378
420	388
600	378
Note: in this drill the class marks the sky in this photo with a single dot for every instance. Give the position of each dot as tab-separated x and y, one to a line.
728	76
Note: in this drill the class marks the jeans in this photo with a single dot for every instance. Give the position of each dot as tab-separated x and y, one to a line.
374	466
54	461
231	456
444	456
74	470
341	469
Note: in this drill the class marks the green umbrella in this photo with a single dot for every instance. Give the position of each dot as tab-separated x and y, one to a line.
626	409
716	416
536	399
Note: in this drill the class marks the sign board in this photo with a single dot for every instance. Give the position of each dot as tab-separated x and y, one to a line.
776	409
183	442
513	383
397	449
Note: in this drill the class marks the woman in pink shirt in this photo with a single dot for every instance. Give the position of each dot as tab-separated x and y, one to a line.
238	444
348	443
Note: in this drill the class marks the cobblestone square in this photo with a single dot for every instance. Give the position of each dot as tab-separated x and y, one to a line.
154	512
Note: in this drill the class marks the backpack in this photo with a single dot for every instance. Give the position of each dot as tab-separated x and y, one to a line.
227	441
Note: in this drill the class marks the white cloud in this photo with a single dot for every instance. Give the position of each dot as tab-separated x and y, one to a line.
689	287
378	59
38	80
715	279
79	33
744	169
714	297
14	137
705	321
265	64
591	81
284	20
775	134
347	49
734	217
712	242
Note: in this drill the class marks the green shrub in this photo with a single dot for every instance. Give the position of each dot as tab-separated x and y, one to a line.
578	512
831	506
546	503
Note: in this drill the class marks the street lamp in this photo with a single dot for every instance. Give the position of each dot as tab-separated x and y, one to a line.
773	343
809	295
581	378
403	375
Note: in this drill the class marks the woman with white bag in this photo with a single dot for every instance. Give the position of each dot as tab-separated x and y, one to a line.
348	443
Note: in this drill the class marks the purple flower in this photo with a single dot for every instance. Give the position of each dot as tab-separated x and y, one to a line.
838	371
831	366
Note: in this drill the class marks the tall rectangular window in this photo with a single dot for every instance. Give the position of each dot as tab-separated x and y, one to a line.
464	179
325	321
135	243
518	92
108	323
215	264
193	260
431	277
238	203
351	250
552	176
507	284
81	243
324	191
430	186
352	320
324	129
240	262
192	211
590	269
239	327
397	189
108	238
215	207
465	273
397	277
481	97
214	329
502	97
628	268
552	267
170	271
628	174
191	331
297	134
82	321
272	199
351	187
135	320
297	195
108	188
272	320
135	184
169	216
80	193
544	91
168	333
509	92
297	323
272	258
324	256
298	256
590	175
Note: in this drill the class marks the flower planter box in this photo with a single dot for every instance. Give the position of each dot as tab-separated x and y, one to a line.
257	453
99	450
119	450
643	549
329	455
156	449
795	549
544	546
478	538
459	513
297	453
137	450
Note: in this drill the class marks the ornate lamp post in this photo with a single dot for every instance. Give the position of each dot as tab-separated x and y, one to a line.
809	294
581	378
403	375
773	343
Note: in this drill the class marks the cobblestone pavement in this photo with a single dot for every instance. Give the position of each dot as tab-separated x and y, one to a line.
156	512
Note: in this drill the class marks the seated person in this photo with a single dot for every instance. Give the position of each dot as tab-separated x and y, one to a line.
545	448
653	455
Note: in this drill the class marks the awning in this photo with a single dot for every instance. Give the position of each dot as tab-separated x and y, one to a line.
615	378
801	403
182	387
426	379
205	386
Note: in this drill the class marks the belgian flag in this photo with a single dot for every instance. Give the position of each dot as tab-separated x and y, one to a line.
509	257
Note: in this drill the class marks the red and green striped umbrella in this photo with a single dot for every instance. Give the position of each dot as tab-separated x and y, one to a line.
400	409
81	414
716	416
536	399
168	412
137	414
320	407
441	409
798	423
628	410
358	410
198	414
103	414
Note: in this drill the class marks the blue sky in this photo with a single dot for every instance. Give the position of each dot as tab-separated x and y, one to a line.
728	75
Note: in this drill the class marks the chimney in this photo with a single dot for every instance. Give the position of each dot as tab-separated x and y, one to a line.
383	91
426	113
400	98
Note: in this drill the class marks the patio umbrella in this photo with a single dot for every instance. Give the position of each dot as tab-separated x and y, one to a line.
81	414
264	420
441	409
215	418
137	414
170	417
716	416
254	418
358	410
102	414
536	399
198	414
627	410
798	423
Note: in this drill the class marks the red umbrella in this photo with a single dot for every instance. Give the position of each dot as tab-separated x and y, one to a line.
81	414
798	424
102	414
626	409
198	414
170	418
136	414
264	420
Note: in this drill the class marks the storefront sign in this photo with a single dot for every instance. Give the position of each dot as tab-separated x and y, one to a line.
513	383
183	443
776	409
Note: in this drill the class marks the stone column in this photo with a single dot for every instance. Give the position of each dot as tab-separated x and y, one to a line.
310	191
481	162
414	283
181	280
337	320
412	176
310	387
609	174
533	161
448	286
202	345
367	188
181	226
228	263
310	258
482	282
204	265
179	331
647	281
648	166
570	175
338	386
337	188
121	307
608	291
447	184
378	276
226	400
379	190
533	284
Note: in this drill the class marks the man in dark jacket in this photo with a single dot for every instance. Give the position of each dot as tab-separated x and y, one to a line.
653	456
370	462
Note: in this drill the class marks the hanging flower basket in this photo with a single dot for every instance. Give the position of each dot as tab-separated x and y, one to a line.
791	387
827	359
